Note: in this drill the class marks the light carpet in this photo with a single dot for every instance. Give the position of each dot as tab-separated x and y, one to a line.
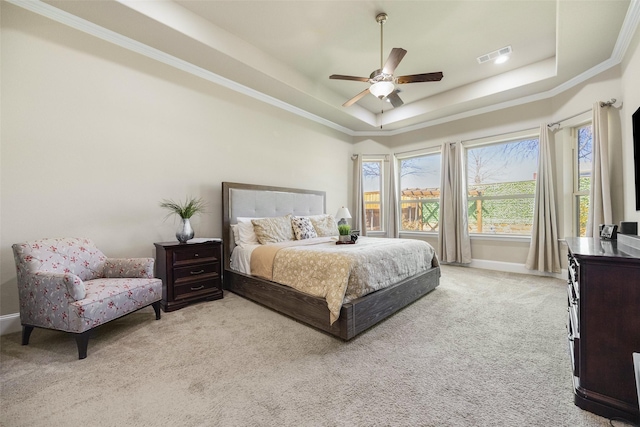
485	348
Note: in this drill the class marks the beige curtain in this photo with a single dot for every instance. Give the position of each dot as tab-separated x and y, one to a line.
358	211
393	229
454	244
544	252
600	193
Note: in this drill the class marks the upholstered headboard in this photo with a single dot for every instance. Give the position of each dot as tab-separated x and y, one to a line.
259	201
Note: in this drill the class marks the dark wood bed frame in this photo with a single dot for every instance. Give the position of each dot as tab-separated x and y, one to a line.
355	317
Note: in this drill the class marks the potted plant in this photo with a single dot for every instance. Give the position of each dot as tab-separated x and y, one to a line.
345	232
185	211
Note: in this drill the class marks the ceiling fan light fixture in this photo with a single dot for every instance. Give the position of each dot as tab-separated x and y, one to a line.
381	89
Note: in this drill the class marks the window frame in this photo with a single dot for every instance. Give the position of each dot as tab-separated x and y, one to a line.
576	193
496	140
436	150
383	160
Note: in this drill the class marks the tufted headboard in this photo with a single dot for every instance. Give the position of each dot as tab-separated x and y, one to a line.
259	201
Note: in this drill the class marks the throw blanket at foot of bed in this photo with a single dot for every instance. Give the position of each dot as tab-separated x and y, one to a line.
341	273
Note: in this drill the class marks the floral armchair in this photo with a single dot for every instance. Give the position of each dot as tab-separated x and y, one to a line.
67	284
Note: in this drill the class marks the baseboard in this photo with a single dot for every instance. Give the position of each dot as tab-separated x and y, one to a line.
512	267
10	323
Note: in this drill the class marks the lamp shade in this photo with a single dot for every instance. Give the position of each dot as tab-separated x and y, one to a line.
343	213
381	89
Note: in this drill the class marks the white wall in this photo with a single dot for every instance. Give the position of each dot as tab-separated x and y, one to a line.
631	97
94	136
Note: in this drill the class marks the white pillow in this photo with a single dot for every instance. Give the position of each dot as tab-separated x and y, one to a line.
236	234
245	232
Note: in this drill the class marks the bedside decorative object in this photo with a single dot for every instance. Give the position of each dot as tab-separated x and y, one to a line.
190	272
186	210
343	214
345	232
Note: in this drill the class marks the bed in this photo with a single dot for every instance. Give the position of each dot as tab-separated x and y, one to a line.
355	316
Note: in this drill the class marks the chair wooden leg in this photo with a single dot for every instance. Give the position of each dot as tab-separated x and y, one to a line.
82	340
26	333
156	307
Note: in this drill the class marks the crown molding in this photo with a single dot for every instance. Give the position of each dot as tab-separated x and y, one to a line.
630	25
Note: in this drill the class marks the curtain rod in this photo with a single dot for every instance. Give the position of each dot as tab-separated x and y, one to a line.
603	104
417	150
386	156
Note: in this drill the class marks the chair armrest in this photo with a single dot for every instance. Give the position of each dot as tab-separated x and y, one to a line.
53	282
141	268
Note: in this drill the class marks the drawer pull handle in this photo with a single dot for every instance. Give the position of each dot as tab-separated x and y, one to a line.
196	255
198	288
196	272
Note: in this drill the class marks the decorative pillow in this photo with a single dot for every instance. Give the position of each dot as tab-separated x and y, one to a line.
302	228
273	230
325	225
246	234
236	234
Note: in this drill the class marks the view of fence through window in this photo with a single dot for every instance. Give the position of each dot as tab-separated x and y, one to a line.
372	185
420	193
501	182
583	162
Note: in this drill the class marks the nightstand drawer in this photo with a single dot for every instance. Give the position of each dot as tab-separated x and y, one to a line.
191	289
196	272
188	254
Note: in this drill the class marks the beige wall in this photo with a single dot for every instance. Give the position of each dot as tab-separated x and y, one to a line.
631	98
94	136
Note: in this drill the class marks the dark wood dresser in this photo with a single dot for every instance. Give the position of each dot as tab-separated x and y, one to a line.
190	272
604	325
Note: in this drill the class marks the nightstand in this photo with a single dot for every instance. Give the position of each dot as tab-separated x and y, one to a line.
190	272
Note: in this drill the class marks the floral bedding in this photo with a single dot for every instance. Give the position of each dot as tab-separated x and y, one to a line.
341	273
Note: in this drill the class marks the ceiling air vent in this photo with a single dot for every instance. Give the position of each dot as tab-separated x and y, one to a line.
493	55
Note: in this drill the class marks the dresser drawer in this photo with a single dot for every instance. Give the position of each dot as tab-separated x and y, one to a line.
191	254
196	272
194	288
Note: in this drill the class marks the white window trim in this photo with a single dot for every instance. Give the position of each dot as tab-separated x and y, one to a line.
575	167
494	140
410	155
384	182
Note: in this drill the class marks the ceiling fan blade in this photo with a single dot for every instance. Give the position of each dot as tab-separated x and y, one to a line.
356	98
394	98
341	77
396	55
417	78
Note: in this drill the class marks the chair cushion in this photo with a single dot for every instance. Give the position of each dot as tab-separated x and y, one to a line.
108	299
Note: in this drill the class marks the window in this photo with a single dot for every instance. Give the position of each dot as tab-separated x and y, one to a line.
420	193
501	182
583	157
372	171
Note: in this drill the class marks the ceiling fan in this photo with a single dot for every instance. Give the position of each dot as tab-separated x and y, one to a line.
382	81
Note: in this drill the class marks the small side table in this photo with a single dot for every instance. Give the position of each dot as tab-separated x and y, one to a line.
190	272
